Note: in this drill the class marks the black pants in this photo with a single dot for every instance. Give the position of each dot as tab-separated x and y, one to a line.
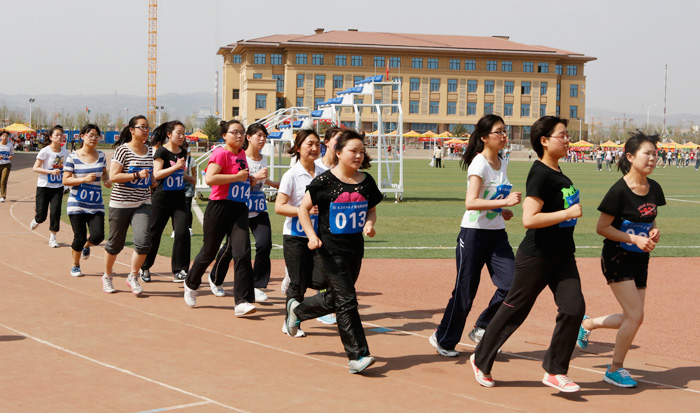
342	272
164	206
188	201
45	198
81	223
476	248
305	267
438	162
532	275
223	218
262	231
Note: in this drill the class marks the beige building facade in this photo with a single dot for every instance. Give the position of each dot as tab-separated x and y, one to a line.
445	80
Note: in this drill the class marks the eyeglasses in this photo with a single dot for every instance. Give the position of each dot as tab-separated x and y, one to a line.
236	132
143	128
92	136
562	137
500	132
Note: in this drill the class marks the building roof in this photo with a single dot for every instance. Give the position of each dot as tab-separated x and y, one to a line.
428	42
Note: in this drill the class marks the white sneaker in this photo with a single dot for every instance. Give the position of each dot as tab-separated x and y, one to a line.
52	242
285	283
244	308
441	351
75	271
218	290
33	225
190	296
359	365
299	333
133	282
3	198
172	235
260	296
107	285
191	232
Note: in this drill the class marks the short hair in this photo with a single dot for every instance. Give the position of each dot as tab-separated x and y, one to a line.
544	127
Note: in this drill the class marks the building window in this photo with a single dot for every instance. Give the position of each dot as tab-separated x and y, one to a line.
558	69
488	108
236	93
528	66
259	58
434	107
573	112
237	59
235	111
260	101
417	63
319	81
300	80
337	81
413	106
302	58
451	108
571	70
488	86
470	65
508	109
280	83
543	89
558	91
434	85
394	109
317	101
451	85
341	60
509	87
491	65
432	63
317	59
414	84
525	110
524	88
300	102
276	59
356	60
506	66
543	68
358	79
526	132
471	86
573	92
471	108
394	62
396	86
257	75
379	61
558	111
455	64
543	110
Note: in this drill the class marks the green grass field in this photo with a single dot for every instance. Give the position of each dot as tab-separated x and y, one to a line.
426	223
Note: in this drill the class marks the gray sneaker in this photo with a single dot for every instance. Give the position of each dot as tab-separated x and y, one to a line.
145	275
476	334
441	351
292	319
133	282
180	276
359	365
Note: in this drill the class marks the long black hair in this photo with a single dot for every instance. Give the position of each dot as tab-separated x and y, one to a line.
346	136
125	134
160	134
254	128
476	145
635	141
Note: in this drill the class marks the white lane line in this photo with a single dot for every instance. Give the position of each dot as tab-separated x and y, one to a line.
683	200
198	211
178	407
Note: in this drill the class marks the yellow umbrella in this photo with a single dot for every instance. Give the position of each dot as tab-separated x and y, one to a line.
412	134
19	128
428	134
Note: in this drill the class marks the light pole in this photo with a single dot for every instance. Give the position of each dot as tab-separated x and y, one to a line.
158	113
649	108
31	100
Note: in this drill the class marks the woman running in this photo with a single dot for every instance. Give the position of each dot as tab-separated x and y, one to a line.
227	214
83	172
49	187
482	239
168	200
545	258
628	223
131	173
7	151
346	199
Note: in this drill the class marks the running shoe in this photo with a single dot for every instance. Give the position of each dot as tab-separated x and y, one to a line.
180	276
133	282
107	285
441	351
327	319
52	242
218	290
560	382
244	308
190	296
145	275
621	378
3	198
33	225
86	253
299	333
359	365
583	335
292	320
483	379
285	283
260	295
476	334
75	271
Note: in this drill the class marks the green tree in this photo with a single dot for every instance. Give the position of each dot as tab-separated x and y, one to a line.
211	129
460	130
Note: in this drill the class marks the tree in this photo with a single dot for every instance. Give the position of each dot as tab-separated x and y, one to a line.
191	122
164	117
460	130
211	129
102	120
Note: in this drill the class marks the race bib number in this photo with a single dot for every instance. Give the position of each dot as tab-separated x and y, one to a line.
348	217
502	192
298	231
571	200
139	182
55	179
635	228
175	181
89	194
239	192
5	156
256	202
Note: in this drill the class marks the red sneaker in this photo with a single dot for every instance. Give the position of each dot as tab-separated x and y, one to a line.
560	382
483	379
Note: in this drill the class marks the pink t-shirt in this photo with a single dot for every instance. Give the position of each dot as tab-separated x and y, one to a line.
230	164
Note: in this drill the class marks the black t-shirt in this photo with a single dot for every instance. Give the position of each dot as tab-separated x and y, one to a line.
625	205
558	193
346	205
174	180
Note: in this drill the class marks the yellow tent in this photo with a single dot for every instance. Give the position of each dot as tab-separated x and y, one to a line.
19	128
581	144
412	134
610	144
455	141
669	145
445	134
197	136
688	145
428	134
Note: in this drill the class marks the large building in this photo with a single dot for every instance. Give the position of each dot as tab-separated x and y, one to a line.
445	80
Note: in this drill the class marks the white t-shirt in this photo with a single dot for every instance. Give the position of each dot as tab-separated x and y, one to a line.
5	152
491	182
253	168
51	160
293	184
320	164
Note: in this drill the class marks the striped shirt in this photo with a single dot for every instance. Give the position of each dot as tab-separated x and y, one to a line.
85	198
134	193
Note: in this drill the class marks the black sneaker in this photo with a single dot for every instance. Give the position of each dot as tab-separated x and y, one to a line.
180	276
145	275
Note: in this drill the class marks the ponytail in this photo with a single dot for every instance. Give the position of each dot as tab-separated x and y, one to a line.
125	135
476	145
637	138
160	134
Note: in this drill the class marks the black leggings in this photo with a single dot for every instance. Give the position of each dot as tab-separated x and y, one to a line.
81	223
45	198
164	206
